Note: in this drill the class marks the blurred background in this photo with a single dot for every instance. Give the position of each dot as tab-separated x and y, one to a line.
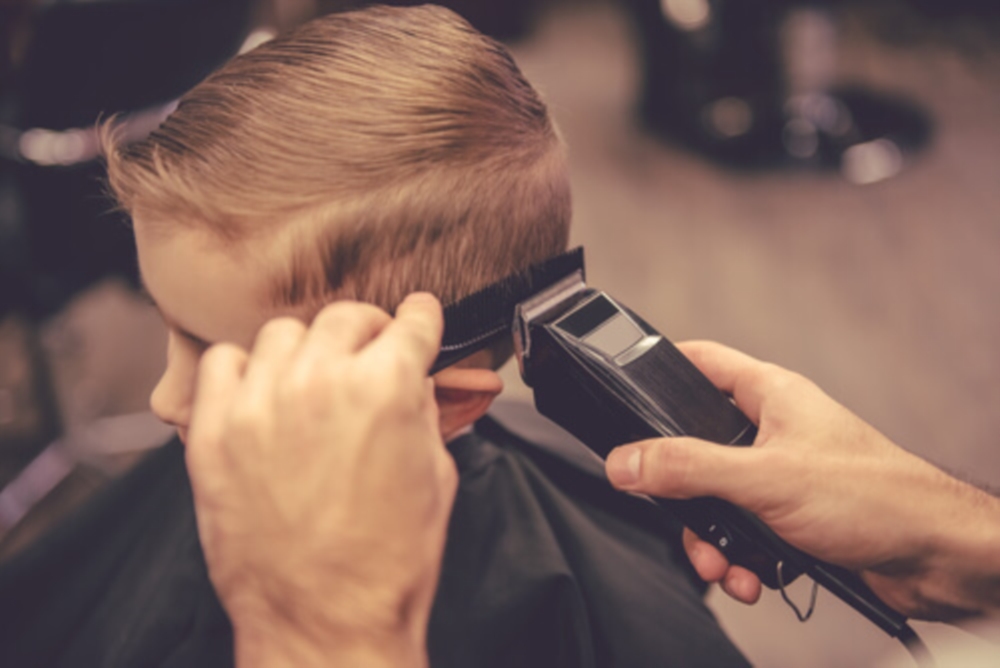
817	183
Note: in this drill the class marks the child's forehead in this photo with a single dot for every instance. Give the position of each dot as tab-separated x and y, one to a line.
202	287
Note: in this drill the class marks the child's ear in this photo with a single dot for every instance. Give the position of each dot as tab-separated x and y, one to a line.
463	396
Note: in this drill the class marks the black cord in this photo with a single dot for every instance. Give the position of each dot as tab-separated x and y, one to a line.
916	647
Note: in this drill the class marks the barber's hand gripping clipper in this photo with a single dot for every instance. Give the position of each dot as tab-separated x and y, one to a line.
608	377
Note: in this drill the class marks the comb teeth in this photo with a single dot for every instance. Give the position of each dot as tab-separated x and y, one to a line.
475	321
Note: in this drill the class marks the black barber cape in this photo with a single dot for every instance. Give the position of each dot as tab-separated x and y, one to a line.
546	566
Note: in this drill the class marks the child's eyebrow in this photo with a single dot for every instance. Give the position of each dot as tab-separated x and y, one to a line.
148	297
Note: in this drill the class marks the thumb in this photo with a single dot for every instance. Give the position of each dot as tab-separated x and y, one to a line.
683	468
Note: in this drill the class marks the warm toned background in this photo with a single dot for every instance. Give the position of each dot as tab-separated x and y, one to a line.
887	295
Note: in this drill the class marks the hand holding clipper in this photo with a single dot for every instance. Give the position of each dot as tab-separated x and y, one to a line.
602	373
609	378
832	485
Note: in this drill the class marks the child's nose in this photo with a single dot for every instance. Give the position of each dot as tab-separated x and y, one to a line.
171	403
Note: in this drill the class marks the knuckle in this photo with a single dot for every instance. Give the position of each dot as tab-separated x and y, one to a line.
665	466
219	360
398	371
303	381
342	312
778	380
799	383
280	327
400	367
246	413
760	378
221	353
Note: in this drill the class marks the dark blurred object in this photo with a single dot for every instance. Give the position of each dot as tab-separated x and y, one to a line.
751	85
78	62
90	58
711	76
969	28
69	471
28	413
957	8
510	20
12	17
867	134
77	485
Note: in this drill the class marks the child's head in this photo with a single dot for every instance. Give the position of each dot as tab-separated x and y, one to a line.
364	156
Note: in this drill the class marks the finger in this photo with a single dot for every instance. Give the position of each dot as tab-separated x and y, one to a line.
344	328
742	585
274	346
415	332
683	468
712	566
706	559
735	373
220	373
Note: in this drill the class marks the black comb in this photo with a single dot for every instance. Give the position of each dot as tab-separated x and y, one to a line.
476	321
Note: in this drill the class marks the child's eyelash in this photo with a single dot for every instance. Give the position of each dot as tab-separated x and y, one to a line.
148	298
194	340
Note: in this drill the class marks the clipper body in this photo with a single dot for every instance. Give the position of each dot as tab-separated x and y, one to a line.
609	378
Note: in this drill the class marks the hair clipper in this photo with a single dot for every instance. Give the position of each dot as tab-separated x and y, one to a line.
606	376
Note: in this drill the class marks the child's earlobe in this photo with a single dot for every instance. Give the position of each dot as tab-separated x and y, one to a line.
464	396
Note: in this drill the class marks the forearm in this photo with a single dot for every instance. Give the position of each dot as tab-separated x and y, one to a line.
957	573
967	574
833	486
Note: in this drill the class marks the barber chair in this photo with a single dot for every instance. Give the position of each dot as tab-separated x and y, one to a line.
749	84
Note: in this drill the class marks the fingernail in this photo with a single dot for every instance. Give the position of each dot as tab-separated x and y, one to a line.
623	466
738	588
420	298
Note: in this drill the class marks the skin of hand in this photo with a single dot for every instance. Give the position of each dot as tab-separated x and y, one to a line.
831	485
322	486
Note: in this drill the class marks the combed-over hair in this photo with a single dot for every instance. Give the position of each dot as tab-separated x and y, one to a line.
387	149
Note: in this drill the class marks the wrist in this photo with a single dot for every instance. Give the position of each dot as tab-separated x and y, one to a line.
954	572
278	644
347	629
967	568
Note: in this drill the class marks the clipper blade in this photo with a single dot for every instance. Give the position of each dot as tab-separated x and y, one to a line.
474	322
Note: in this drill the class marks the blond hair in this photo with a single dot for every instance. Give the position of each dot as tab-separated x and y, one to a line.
393	149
